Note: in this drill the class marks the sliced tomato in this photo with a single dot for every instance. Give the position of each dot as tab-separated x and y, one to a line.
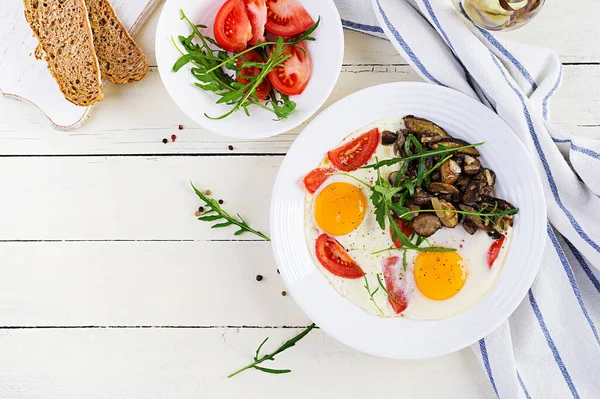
335	259
356	153
391	275
264	88
405	228
494	250
232	28
293	75
257	14
287	18
316	177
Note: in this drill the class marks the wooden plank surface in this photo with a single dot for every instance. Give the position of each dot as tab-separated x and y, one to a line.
110	288
192	363
150	116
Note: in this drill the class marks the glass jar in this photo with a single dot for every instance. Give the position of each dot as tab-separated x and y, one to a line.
498	14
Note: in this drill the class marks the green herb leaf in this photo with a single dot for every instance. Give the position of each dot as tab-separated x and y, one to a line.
220	214
271	356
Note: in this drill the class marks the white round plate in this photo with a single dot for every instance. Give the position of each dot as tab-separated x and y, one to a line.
518	182
326	54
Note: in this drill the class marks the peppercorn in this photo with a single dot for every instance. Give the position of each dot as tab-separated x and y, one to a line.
259	277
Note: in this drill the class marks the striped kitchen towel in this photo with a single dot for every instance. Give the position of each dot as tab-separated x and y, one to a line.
550	346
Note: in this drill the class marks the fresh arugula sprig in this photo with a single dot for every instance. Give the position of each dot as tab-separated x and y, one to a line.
372	294
208	61
214	212
271	356
511	211
441	150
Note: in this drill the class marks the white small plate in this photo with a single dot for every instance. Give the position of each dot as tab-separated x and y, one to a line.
518	182
326	54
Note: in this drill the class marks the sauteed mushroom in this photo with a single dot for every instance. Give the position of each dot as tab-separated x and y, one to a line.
421	197
442	188
471	165
450	171
477	221
399	144
388	137
469	226
426	224
454	142
448	219
426	131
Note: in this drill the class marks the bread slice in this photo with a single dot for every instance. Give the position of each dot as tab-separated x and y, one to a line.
121	59
63	30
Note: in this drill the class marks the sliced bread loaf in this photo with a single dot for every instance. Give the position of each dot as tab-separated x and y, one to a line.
63	30
121	59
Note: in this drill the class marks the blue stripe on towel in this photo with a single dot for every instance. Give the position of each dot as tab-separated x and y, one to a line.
510	57
544	161
572	281
523	385
577	148
406	47
486	363
550	342
584	265
439	26
550	93
363	27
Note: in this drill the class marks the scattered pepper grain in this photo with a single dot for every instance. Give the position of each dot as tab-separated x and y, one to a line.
197	213
230	147
259	277
283	293
220	202
201	209
165	141
180	127
208	192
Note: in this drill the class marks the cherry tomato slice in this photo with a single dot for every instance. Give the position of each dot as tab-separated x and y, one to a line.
494	250
257	14
316	177
232	28
287	18
264	88
335	259
356	153
397	298
293	75
405	228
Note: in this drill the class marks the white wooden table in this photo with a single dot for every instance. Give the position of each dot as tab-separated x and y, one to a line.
110	288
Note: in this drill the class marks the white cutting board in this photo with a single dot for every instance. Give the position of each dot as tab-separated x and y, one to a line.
25	78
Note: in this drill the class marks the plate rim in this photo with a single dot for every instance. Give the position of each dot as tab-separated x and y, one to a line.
470	103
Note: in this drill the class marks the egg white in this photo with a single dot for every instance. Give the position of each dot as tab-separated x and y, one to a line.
368	238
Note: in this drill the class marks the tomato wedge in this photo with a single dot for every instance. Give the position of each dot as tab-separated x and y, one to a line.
494	250
316	177
257	14
264	88
397	298
287	18
356	153
232	28
335	259
405	228
293	75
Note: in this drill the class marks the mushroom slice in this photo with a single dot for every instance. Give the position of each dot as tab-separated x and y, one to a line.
442	188
421	197
452	142
426	224
477	221
469	226
426	131
487	176
399	144
450	171
392	178
388	138
471	165
448	219
463	182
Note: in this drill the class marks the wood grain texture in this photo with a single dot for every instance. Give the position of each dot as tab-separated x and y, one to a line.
193	363
150	116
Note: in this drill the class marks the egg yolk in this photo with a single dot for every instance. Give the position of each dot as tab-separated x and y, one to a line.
439	275
340	208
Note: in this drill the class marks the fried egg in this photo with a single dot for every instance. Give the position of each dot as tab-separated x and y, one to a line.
435	285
